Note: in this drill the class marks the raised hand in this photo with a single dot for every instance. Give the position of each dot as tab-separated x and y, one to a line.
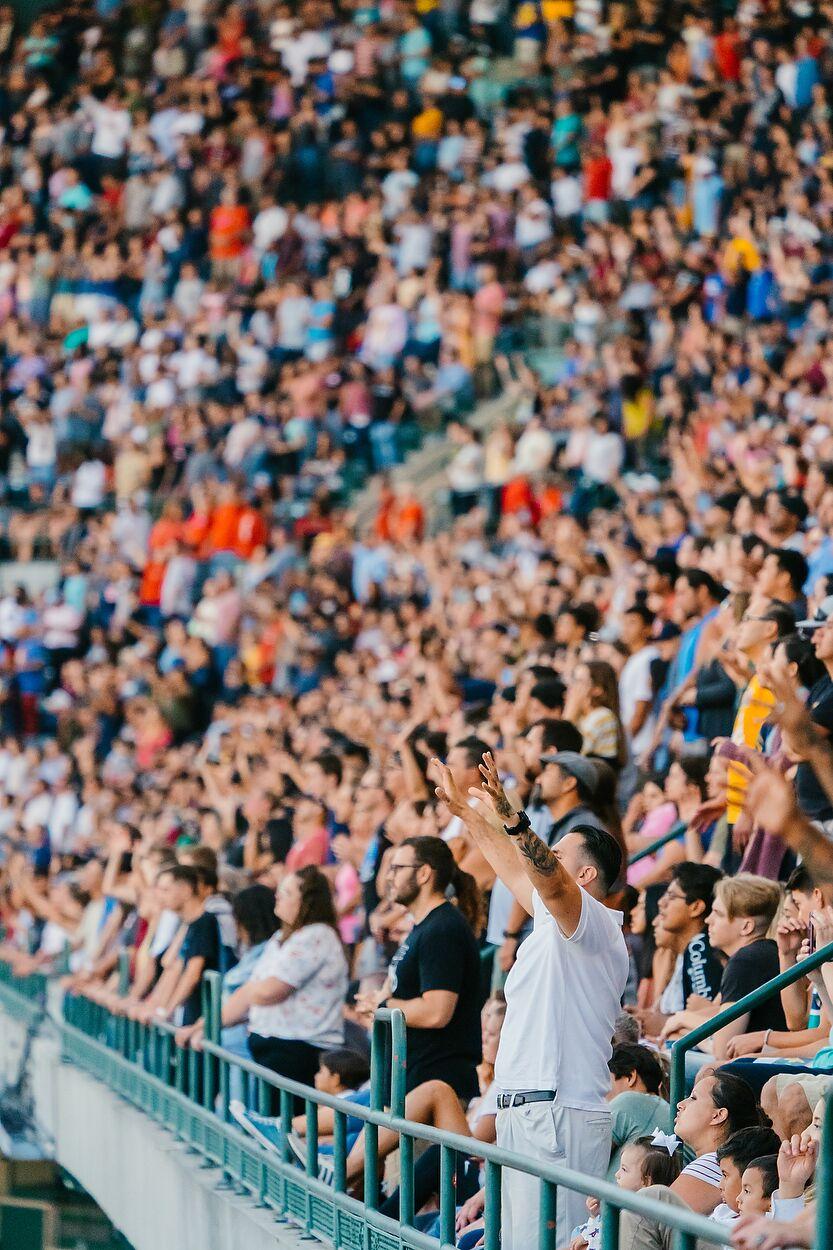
448	791
492	787
789	935
796	1164
770	799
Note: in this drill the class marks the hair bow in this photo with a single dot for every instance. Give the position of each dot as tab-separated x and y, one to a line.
666	1141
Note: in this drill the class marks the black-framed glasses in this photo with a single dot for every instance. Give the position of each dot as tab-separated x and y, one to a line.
399	867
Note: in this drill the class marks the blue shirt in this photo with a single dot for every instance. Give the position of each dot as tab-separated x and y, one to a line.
706	198
819	564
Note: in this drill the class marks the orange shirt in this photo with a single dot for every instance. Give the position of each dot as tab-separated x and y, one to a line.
222	532
150	587
229	222
163	533
407	521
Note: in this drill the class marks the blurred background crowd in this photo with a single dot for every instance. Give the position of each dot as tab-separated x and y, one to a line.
252	254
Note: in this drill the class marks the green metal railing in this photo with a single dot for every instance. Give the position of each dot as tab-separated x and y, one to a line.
189	1094
22	997
728	1015
675	832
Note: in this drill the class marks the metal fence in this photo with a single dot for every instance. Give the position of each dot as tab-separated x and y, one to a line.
189	1095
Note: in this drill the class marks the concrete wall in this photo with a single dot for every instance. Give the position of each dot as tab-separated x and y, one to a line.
155	1192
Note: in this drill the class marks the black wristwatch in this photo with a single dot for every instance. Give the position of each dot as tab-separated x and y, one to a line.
515	831
511	935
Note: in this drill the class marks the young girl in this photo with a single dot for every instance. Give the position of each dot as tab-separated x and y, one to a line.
641	1164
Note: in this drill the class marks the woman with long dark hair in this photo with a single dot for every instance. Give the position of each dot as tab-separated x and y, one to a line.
294	1000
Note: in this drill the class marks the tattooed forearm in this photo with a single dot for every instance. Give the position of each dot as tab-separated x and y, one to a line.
542	859
503	807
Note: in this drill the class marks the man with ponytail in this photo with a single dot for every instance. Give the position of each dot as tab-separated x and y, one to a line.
434	977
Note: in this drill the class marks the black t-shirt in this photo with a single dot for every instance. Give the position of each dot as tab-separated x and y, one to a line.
201	941
812	798
440	953
747	970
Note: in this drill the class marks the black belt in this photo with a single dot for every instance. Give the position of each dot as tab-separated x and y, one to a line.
525	1096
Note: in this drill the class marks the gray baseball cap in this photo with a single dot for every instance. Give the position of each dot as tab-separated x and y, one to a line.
824	612
578	766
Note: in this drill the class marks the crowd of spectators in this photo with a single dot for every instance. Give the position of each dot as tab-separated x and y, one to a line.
252	253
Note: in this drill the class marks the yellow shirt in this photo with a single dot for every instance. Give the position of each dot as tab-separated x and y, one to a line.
752	712
428	124
743	252
556	10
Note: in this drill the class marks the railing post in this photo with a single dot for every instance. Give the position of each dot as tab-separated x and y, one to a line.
448	1195
377	1098
610	1226
211	1014
491	1213
677	1078
548	1216
123	988
824	1186
124	973
398	1086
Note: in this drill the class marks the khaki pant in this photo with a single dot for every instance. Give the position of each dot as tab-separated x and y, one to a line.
549	1133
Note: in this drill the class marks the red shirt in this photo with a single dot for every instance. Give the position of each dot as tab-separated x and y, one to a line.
251	533
598	173
727	55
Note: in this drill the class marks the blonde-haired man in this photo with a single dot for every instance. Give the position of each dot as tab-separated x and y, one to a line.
742	913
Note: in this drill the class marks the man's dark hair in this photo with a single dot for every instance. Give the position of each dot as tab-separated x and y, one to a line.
697	882
435	854
800	881
356	750
793	564
543	625
630	1057
643	612
585	615
203	860
183	873
699	579
330	765
604	853
782	617
474	747
767	1165
558	735
351	1068
550	693
748	1144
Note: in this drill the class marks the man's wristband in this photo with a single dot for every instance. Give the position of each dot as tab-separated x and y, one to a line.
511	935
517	829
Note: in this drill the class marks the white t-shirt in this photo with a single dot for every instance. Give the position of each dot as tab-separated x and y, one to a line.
562	999
635	687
